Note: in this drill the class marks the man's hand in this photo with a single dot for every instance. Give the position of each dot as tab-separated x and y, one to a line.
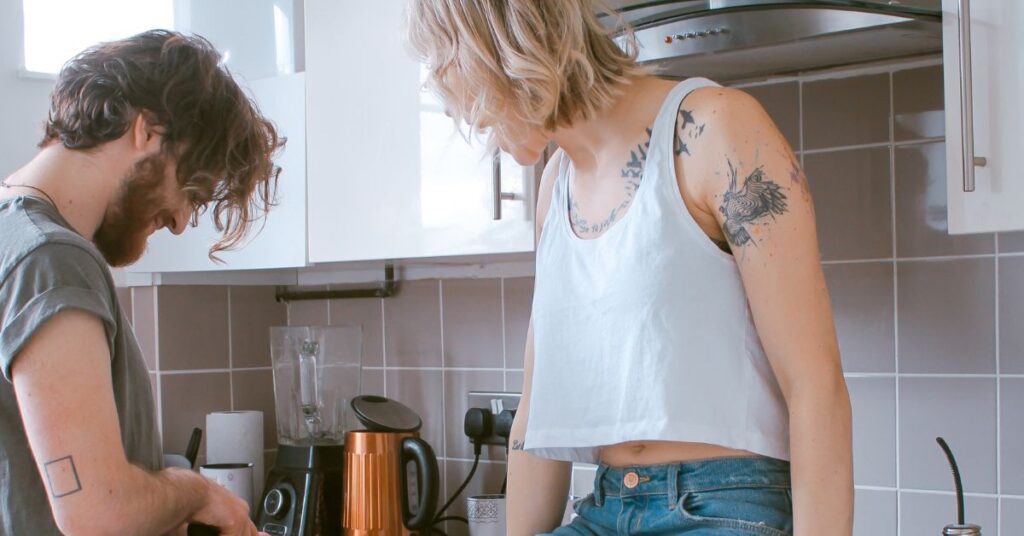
224	510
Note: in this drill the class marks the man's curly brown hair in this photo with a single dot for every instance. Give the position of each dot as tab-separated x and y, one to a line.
221	143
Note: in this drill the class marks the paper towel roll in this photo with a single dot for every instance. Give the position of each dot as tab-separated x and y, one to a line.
237	437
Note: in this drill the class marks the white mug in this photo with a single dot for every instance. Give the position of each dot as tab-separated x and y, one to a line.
236	477
486	515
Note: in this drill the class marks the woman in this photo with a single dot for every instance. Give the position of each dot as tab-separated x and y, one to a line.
681	334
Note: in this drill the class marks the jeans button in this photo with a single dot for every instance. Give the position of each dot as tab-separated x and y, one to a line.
630	480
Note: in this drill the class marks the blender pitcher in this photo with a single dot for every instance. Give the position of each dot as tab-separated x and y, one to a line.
316	374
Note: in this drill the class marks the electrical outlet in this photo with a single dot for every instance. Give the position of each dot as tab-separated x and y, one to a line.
495	402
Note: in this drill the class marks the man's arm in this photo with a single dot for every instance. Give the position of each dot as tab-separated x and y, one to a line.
747	176
63	385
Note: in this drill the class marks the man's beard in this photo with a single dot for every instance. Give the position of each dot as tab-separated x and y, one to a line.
124	231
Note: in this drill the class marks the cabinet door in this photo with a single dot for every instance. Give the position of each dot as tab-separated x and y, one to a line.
995	57
281	241
389	174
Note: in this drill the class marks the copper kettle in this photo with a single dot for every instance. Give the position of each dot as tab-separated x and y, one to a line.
376	482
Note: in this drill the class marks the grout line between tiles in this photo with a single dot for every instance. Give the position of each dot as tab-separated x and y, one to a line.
504	340
964	376
895	297
874	68
800	119
857	261
999	446
444	390
231	359
483	460
156	350
934	258
328	304
210	371
975	494
942	258
384	345
874	145
445	369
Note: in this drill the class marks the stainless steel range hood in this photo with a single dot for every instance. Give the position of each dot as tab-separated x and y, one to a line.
732	40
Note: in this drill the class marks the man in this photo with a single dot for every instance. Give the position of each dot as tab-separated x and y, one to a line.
143	133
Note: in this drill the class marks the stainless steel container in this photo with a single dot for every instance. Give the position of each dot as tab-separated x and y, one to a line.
961	530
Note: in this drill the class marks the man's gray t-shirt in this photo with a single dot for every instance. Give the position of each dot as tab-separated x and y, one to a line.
46	267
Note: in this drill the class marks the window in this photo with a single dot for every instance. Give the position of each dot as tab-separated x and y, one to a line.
56	30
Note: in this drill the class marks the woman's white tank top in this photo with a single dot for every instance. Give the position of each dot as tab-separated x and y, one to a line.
645	333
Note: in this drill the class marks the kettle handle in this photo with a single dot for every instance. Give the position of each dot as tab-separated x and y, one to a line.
418	451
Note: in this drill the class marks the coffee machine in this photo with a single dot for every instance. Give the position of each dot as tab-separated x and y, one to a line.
316	375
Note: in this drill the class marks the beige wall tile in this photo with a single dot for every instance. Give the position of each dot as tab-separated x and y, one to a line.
422	391
922	228
1011	436
308	313
961	410
782	102
874	431
472	323
368	314
864	314
412	325
124	299
1011	315
144	322
254	390
853	203
518	307
918	103
1011	242
186	399
193	324
846	111
253	312
947	316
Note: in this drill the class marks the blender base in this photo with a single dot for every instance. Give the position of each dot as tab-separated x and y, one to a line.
304	492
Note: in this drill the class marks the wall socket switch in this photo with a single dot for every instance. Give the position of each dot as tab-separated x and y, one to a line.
495	402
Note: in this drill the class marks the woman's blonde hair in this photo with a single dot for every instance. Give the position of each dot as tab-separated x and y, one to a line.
541	63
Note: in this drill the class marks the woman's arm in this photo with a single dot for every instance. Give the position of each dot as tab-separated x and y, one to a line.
537	488
743	172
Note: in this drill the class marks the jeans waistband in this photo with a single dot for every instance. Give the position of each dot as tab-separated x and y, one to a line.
675	479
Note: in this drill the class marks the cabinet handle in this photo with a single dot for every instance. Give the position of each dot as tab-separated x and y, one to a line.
967	99
499	195
496	180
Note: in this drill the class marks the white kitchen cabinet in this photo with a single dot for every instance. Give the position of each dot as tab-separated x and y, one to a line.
389	175
281	243
983	56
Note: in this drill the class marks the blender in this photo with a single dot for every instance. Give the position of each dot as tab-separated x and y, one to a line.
316	375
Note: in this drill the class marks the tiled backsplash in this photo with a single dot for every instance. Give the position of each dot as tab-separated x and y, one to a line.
929	324
208	349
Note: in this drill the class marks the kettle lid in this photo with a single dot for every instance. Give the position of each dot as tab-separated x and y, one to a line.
379	414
